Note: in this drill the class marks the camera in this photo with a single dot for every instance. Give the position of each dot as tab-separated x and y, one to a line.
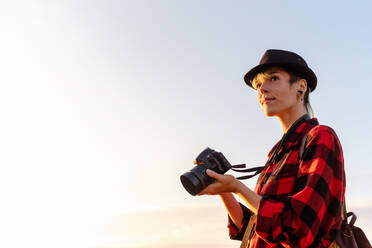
195	180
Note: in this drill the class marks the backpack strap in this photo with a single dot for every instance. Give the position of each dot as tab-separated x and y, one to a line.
248	232
304	141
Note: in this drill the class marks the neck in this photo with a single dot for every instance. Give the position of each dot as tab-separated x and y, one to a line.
288	118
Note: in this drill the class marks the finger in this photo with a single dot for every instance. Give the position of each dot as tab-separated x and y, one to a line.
203	192
207	191
213	174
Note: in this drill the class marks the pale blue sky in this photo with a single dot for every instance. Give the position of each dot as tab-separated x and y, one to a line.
106	103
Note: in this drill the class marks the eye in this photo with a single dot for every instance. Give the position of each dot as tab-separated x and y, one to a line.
274	78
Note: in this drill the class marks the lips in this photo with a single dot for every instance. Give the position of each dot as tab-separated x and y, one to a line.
268	100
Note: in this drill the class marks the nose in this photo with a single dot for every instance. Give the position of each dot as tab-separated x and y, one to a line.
262	91
263	88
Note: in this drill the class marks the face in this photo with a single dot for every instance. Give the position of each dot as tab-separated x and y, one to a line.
276	95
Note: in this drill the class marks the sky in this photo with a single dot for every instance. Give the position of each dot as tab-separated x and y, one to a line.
104	104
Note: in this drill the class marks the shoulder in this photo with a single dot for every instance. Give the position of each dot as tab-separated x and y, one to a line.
322	130
322	134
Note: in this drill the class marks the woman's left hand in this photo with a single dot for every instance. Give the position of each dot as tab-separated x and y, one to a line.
223	184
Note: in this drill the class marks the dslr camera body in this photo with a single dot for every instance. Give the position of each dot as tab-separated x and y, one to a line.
195	180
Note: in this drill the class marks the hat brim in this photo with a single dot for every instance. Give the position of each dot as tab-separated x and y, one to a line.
301	70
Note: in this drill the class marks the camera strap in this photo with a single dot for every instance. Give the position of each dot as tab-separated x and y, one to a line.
256	170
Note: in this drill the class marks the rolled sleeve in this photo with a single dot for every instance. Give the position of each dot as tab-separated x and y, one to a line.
270	219
234	232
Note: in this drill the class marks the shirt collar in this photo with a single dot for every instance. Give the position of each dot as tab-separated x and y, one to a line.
294	134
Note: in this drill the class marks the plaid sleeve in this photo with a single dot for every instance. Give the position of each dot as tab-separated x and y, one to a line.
234	232
308	216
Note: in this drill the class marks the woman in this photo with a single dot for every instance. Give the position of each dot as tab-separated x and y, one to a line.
298	197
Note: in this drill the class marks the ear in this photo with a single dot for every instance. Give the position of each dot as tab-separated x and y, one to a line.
302	85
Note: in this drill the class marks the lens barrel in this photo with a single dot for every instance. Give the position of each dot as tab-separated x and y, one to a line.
191	183
196	180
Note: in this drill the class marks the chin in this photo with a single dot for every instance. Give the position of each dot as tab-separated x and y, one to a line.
269	113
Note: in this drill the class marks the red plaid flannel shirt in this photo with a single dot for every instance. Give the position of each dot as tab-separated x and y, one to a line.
301	197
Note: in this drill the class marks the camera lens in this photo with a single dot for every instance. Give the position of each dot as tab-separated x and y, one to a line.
191	183
196	180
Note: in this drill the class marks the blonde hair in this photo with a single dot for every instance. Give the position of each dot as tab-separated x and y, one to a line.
293	77
259	78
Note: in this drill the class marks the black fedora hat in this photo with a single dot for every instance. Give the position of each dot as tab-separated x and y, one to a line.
288	60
